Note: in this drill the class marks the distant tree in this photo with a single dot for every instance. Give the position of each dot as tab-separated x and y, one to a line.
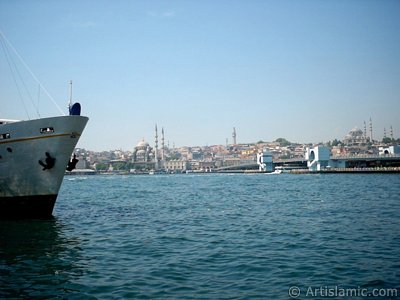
335	142
101	166
120	166
387	140
174	156
260	142
283	142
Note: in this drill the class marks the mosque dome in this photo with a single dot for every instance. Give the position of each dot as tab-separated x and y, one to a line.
355	132
142	152
142	144
355	137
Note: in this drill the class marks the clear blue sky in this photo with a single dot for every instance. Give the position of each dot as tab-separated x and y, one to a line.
308	71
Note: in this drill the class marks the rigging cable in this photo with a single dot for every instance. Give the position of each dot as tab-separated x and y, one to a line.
6	54
22	80
38	99
32	74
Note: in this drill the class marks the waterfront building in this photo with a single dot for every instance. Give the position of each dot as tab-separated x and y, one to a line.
232	161
143	156
176	165
207	165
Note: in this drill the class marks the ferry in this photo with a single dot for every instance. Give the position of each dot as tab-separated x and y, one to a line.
34	156
275	172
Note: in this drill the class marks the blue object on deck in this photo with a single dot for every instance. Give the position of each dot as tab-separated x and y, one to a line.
75	109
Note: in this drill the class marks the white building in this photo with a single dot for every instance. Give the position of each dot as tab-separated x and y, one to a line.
390	150
317	158
264	161
176	165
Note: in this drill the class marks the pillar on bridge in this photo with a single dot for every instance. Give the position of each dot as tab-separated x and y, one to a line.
264	161
389	150
317	158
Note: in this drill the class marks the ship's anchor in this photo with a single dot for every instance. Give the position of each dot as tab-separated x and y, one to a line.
72	163
50	162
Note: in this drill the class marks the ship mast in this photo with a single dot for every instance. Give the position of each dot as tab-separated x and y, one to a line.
70	95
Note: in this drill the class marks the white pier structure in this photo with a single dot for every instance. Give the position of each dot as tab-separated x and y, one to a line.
389	150
264	161
317	158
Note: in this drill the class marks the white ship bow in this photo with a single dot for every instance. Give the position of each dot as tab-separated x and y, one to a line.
33	158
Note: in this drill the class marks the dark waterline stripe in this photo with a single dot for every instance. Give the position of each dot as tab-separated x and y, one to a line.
38	206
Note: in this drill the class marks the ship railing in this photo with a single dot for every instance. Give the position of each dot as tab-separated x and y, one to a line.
7	121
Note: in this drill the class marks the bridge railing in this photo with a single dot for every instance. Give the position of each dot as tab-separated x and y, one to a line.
365	156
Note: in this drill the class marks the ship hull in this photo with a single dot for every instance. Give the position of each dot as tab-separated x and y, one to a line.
33	158
37	206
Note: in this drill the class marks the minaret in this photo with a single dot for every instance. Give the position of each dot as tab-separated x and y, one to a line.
384	132
162	144
156	150
234	135
365	131
391	132
370	129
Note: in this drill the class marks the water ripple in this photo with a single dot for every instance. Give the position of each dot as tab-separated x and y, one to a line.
206	237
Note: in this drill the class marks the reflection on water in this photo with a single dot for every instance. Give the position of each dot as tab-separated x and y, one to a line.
38	259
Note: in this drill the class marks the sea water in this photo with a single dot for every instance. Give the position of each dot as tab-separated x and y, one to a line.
211	236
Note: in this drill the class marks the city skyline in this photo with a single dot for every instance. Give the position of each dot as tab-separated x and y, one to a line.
154	141
307	71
